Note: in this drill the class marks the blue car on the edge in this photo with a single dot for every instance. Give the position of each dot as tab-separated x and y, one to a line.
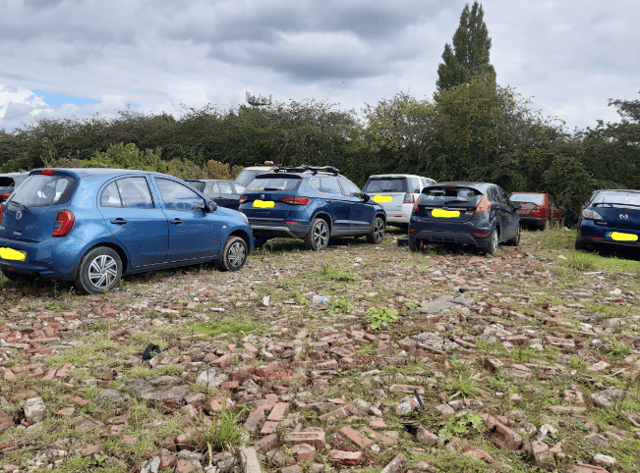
610	218
91	226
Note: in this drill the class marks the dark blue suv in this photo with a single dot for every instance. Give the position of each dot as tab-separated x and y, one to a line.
314	203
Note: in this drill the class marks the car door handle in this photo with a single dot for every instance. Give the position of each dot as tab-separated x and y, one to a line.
176	221
119	221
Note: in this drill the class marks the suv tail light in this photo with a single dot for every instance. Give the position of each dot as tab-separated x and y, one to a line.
408	199
296	200
64	223
484	205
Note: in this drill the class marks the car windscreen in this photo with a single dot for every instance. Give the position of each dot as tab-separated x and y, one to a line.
275	183
448	195
385	184
537	199
40	190
617	199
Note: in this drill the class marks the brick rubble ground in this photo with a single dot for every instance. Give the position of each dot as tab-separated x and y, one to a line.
542	366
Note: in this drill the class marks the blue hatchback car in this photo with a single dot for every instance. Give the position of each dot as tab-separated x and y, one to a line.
313	203
91	226
464	213
610	218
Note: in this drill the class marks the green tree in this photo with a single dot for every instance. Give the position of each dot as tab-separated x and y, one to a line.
468	56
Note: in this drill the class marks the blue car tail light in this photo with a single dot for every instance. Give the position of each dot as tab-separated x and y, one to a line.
591	214
64	223
295	200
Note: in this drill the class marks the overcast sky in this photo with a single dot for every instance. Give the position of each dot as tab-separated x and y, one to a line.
76	58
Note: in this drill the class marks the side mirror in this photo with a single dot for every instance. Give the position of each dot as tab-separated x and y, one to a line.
517	205
365	197
211	206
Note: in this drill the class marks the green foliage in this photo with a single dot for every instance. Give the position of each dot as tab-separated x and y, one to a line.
463	423
341	306
468	56
338	275
380	317
228	326
220	433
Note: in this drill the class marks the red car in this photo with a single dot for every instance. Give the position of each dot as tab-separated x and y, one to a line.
537	209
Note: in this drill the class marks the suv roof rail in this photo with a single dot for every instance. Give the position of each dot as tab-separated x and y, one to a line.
305	167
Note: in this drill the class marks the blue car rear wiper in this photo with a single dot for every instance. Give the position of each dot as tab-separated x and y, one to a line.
18	204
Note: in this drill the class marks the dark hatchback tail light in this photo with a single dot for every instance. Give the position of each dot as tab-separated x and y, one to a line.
295	200
243	199
484	205
64	223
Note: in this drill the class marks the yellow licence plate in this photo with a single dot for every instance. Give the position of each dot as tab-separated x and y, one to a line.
382	199
445	213
13	255
617	236
263	204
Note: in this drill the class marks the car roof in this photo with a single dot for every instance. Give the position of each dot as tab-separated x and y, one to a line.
533	193
377	176
479	186
617	190
85	172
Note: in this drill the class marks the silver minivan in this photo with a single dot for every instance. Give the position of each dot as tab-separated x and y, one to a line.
397	194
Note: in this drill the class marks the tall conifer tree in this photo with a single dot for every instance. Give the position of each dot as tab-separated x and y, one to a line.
469	54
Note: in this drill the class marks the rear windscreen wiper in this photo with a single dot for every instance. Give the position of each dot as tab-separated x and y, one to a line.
18	204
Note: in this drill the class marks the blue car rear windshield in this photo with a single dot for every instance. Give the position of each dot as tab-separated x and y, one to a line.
617	199
279	183
447	195
41	190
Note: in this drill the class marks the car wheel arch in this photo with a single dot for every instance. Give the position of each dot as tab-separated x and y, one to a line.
242	234
326	217
121	253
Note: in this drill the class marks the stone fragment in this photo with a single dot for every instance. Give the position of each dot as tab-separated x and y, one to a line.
34	409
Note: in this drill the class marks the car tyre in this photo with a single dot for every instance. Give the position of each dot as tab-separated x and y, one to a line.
579	245
492	247
515	241
544	225
414	244
376	235
234	255
318	237
100	271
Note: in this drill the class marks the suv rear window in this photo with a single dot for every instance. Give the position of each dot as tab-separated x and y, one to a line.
275	183
386	184
447	195
41	190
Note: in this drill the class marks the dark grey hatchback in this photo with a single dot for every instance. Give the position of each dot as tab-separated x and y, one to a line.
464	213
